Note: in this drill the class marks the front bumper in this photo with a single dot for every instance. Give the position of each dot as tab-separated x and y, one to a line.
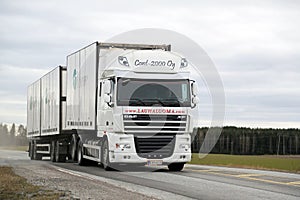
129	155
134	158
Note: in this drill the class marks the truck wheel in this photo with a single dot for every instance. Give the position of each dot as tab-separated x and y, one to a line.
59	157
52	151
176	167
105	155
80	160
74	148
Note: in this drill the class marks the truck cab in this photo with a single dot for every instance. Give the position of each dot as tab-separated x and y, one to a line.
144	107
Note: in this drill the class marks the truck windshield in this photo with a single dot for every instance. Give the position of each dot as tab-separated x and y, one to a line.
138	92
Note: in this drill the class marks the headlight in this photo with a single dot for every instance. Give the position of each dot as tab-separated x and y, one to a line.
184	146
123	146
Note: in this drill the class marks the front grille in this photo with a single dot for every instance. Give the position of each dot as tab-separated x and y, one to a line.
154	135
155	124
154	147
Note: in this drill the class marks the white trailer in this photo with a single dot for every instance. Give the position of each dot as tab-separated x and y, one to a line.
114	104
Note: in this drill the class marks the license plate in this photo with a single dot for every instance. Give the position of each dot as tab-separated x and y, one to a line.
154	162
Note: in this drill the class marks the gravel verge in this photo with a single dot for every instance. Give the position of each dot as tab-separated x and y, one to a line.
74	187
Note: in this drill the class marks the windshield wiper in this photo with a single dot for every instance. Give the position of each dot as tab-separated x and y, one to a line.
137	100
158	100
173	101
176	100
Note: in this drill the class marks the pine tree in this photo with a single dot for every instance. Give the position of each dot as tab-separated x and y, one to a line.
21	131
12	133
4	134
5	130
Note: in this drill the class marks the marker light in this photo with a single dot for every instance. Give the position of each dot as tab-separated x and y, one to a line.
123	61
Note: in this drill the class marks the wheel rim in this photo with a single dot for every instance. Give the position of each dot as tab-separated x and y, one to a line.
79	154
74	147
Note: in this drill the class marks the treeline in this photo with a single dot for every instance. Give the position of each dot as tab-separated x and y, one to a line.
249	141
16	135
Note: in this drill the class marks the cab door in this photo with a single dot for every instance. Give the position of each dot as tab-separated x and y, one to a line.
104	107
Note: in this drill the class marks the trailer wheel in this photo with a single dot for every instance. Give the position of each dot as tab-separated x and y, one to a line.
59	156
80	160
52	151
31	150
176	167
105	155
36	156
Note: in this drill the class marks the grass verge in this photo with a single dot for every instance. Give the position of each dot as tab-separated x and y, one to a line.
289	164
13	186
17	148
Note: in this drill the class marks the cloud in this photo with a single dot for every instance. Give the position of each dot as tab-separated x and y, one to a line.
12	77
255	46
13	90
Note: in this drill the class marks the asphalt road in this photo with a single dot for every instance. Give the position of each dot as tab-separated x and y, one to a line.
196	182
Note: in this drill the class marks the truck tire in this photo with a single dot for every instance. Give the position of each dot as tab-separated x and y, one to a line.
176	167
52	151
80	160
105	155
59	156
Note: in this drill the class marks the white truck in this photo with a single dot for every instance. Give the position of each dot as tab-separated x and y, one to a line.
114	104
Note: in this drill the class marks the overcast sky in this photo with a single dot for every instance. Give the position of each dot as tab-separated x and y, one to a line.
255	46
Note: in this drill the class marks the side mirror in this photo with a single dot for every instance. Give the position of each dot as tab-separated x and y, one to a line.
107	87
107	98
194	89
195	100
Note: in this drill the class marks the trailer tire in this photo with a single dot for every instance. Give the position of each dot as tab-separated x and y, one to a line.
36	156
105	155
31	150
59	156
80	160
176	167
52	151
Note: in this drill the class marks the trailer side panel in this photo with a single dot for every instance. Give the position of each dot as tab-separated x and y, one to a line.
50	102
81	88
33	109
